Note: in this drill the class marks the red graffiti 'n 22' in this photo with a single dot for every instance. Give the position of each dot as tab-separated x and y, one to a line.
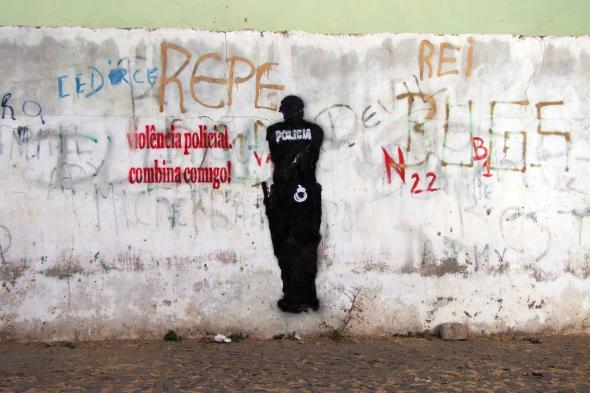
400	168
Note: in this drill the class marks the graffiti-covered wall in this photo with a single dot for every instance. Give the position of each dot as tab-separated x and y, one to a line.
453	173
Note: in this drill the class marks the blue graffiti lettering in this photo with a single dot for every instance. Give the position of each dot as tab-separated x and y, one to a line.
135	77
117	75
36	105
60	91
5	105
94	89
150	75
79	84
93	81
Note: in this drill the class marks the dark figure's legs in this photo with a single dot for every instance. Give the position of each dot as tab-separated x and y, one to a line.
294	228
303	276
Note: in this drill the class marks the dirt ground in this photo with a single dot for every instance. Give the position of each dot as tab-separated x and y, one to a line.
508	364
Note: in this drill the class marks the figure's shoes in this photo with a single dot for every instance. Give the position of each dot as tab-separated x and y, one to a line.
316	305
286	306
297	308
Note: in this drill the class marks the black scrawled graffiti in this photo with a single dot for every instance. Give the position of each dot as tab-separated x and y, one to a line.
294	204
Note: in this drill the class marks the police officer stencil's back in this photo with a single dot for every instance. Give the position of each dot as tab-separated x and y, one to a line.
293	205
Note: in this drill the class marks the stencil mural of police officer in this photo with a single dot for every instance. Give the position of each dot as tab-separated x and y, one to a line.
294	205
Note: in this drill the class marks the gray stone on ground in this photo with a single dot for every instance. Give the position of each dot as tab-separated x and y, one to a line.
451	331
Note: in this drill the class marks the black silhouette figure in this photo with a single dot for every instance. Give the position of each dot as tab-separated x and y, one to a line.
294	204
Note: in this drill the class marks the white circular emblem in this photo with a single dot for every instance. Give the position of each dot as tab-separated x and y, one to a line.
300	195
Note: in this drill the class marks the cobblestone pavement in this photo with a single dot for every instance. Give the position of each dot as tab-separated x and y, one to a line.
554	363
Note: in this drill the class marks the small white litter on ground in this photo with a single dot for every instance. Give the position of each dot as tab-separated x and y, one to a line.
220	338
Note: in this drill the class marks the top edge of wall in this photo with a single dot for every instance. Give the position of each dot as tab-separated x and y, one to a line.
524	18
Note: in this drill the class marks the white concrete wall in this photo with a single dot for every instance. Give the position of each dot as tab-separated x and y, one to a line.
85	254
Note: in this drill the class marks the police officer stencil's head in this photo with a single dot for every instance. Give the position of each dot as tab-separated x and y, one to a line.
292	108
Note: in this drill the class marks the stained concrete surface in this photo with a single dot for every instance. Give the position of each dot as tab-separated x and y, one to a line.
507	363
86	251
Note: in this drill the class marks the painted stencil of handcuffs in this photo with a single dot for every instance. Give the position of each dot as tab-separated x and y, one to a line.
300	195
